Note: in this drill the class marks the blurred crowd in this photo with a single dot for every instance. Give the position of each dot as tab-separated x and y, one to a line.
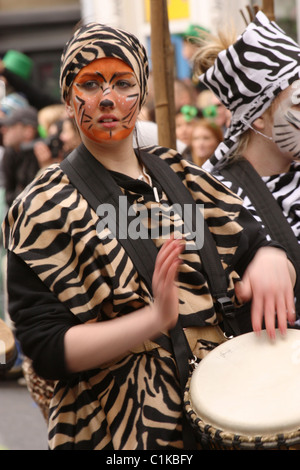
35	131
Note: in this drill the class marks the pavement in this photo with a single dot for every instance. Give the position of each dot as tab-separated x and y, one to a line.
22	425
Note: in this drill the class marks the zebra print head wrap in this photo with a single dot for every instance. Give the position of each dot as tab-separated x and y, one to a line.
95	41
247	77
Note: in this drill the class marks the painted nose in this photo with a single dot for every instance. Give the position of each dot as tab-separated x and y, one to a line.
106	103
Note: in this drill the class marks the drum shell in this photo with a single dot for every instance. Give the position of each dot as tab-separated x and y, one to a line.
212	435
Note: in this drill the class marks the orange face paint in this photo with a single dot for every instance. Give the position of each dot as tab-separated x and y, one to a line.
105	98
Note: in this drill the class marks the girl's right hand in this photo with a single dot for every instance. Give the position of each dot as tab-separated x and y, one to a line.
164	286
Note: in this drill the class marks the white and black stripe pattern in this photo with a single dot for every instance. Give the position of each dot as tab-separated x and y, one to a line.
95	41
285	188
284	135
249	74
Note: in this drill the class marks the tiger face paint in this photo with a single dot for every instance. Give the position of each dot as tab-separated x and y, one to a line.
105	99
286	120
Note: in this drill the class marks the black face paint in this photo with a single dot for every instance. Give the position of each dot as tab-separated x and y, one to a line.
286	129
106	103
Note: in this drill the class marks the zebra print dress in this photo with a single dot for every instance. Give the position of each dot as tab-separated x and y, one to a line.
135	402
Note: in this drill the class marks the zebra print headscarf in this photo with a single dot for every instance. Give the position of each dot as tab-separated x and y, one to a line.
96	41
247	77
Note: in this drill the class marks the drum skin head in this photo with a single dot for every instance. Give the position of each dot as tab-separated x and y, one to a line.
250	384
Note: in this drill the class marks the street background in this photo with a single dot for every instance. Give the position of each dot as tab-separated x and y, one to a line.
22	425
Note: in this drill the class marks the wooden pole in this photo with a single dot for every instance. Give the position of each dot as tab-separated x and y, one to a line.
163	73
268	9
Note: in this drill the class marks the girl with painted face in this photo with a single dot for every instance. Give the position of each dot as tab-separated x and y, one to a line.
86	315
257	77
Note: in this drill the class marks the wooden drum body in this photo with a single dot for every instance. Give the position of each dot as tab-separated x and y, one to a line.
245	394
8	350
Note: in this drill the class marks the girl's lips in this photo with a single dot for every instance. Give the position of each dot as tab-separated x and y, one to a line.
108	121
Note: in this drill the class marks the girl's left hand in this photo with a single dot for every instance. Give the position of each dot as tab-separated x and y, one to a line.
269	281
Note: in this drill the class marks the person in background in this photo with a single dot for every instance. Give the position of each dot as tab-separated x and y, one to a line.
206	136
184	119
10	355
66	132
86	315
10	103
16	69
192	37
18	65
263	96
48	149
184	94
69	136
213	109
48	116
19	164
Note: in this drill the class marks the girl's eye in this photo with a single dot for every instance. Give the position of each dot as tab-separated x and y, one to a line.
122	84
296	99
296	105
89	85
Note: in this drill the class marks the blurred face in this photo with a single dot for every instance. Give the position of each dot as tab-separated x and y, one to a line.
188	50
286	120
204	142
184	129
223	114
69	137
14	135
105	100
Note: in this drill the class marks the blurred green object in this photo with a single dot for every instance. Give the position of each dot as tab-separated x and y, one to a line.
189	112
210	111
18	63
194	31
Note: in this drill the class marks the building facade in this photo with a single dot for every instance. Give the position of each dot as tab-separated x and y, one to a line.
40	29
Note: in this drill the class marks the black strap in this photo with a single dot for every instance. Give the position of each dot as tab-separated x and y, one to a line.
179	194
97	185
245	176
95	182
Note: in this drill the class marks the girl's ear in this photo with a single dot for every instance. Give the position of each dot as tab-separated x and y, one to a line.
263	122
69	109
259	123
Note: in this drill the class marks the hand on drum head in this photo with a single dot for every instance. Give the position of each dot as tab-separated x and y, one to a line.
269	281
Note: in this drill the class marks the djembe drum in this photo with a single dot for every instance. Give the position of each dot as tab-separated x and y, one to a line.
245	394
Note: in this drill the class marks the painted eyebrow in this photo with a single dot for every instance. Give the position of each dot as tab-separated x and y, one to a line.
120	74
90	74
115	75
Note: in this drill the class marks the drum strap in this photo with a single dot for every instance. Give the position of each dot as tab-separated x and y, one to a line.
97	185
245	176
180	196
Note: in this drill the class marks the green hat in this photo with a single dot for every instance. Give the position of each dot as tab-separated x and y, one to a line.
194	31
18	63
